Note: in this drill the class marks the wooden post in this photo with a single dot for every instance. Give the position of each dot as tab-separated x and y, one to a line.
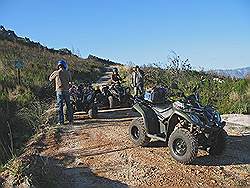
18	77
19	66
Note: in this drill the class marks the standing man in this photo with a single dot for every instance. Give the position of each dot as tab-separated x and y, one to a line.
138	81
62	79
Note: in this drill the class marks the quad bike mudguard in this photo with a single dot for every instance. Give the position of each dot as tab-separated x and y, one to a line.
150	118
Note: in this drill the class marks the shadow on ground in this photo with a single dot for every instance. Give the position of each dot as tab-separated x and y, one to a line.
157	144
84	177
236	152
50	172
118	113
105	118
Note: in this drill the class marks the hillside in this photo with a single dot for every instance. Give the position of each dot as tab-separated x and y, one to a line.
234	73
41	60
22	106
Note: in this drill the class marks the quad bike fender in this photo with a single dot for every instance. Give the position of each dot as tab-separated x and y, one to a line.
150	119
173	120
180	114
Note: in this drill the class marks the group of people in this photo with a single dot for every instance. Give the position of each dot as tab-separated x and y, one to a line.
63	79
137	80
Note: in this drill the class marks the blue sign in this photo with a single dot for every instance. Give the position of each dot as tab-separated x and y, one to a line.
19	64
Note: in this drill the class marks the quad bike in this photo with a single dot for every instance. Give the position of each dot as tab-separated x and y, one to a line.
102	97
185	125
85	101
119	96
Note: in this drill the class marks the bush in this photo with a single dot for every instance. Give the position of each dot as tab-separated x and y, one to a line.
227	94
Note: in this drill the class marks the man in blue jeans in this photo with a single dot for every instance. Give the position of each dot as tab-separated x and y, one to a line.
62	79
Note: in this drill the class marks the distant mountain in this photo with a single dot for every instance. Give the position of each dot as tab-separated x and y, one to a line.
234	73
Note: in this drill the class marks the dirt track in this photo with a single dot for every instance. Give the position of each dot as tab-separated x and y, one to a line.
98	152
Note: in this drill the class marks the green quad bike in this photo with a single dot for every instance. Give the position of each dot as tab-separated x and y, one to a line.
185	124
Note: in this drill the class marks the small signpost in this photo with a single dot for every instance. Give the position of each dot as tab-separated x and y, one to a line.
19	65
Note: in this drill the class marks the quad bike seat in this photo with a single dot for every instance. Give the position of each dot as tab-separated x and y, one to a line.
164	109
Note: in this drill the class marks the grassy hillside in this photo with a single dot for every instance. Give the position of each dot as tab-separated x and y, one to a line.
21	106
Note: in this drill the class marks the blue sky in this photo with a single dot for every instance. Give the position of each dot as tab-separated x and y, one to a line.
211	33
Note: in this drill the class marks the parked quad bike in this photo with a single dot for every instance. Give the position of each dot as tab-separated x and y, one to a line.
116	95
120	96
186	126
85	102
102	97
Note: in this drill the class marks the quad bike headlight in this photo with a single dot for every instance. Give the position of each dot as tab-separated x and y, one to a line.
217	117
127	90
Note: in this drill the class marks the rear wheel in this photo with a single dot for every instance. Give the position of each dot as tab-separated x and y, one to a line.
183	146
138	133
220	143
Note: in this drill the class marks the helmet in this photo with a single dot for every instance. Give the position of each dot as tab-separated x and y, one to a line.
115	70
63	63
97	87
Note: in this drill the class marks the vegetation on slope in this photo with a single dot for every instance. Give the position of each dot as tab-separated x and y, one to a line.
229	95
22	106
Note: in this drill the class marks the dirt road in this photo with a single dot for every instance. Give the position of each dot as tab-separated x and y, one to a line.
98	152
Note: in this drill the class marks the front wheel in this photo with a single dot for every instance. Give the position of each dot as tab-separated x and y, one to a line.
93	112
183	146
138	133
218	147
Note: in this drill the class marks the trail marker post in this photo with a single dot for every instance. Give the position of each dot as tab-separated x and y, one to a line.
19	65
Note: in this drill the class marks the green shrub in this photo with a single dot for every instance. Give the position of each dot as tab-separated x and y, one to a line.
227	94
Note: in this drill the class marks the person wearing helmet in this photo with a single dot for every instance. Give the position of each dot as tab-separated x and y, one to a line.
62	79
115	77
138	81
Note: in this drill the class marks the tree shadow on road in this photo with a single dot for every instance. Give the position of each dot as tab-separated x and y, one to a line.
117	113
84	177
237	152
44	171
105	118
